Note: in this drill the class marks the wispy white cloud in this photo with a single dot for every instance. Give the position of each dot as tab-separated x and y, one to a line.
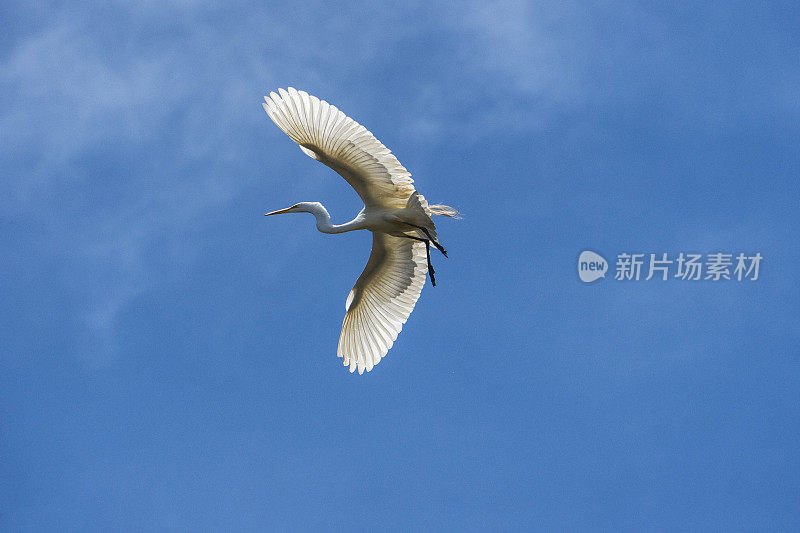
71	94
530	49
514	66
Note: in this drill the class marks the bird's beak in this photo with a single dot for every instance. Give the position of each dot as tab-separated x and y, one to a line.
278	212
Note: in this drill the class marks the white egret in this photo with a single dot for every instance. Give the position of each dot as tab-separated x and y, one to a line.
396	214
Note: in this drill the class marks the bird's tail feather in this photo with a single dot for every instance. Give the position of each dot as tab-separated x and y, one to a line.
444	211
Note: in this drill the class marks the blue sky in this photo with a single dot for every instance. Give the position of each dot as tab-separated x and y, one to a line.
167	355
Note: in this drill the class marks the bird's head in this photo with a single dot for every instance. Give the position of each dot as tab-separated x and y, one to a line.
302	207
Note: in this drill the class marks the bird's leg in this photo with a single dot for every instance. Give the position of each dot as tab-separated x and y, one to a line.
431	271
425	231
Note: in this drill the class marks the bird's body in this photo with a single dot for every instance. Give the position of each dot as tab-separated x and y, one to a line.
396	214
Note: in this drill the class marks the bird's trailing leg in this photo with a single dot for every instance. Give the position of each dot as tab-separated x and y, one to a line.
431	271
431	239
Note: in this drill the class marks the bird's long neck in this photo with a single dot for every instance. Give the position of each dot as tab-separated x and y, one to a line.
324	221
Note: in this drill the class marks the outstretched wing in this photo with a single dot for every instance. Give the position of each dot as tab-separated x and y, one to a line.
326	134
381	300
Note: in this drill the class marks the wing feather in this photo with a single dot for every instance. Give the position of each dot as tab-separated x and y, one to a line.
326	134
381	300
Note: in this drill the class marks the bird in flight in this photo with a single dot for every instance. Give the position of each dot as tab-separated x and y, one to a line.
397	215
